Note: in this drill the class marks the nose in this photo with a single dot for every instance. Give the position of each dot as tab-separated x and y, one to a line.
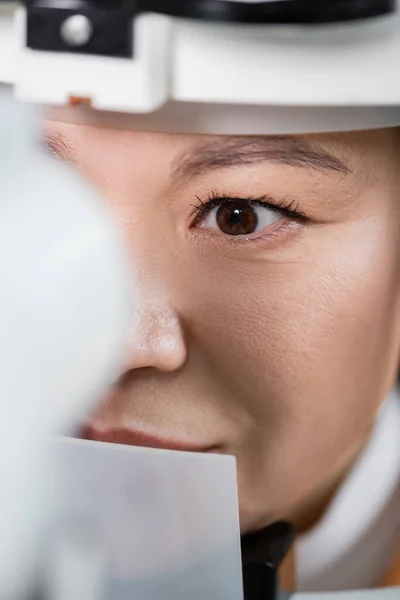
157	338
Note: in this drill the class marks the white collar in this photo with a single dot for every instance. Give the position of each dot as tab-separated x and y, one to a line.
351	546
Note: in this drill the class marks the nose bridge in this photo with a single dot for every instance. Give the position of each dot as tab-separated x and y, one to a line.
156	337
152	309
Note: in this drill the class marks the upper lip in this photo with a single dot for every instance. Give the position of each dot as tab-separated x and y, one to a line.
130	437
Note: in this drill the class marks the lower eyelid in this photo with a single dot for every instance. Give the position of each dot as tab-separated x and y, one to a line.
284	229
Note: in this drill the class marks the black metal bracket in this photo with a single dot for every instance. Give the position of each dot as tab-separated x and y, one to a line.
273	11
110	22
263	554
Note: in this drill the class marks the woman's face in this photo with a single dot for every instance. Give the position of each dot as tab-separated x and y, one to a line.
266	317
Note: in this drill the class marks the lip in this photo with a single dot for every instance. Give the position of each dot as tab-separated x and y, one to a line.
130	437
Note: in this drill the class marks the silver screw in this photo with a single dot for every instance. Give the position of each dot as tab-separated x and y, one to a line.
76	31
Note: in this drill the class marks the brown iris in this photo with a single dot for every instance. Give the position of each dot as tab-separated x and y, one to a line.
237	218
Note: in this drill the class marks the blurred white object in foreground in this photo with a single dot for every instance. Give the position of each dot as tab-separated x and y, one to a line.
143	524
64	306
80	520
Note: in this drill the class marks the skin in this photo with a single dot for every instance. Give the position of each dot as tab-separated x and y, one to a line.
278	348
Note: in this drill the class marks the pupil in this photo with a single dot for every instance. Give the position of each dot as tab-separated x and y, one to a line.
237	218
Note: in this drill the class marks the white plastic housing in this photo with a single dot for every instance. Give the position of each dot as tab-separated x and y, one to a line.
223	78
352	64
139	85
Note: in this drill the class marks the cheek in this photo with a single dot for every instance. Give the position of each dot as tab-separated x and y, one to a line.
308	321
306	347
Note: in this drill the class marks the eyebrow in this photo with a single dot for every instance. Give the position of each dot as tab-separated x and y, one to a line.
239	151
234	151
55	144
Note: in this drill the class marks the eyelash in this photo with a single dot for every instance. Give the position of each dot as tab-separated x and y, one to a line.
287	208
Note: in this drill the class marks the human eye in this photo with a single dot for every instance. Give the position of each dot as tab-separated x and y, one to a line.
234	217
